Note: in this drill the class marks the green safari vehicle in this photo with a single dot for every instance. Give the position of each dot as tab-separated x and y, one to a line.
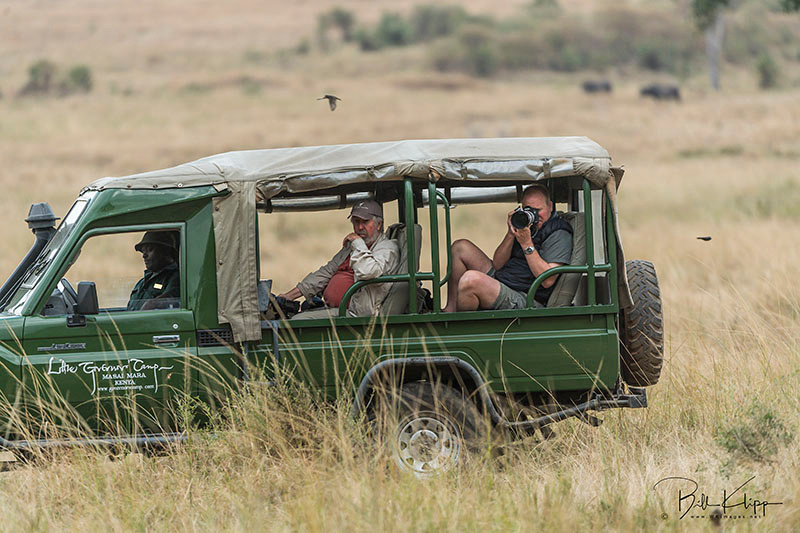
80	367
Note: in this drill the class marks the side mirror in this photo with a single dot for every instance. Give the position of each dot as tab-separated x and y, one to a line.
87	299
86	305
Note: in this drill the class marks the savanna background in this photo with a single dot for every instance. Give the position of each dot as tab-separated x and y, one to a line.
92	89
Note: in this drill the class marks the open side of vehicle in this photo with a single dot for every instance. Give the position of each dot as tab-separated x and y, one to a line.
525	369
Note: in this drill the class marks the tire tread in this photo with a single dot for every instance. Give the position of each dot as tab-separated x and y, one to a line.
642	327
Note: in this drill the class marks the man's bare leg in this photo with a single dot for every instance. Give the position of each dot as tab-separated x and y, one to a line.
476	290
465	256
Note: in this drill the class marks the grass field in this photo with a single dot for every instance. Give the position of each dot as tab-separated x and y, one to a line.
184	82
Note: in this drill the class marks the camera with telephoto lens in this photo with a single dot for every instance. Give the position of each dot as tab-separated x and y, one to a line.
524	217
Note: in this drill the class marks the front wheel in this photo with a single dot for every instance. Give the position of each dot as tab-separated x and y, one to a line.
430	428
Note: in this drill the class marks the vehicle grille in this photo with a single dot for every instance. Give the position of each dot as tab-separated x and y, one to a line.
214	337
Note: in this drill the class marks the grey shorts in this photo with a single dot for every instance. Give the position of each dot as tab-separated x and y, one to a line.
320	312
509	298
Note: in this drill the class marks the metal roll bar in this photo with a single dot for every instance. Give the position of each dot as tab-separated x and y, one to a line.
590	268
412	276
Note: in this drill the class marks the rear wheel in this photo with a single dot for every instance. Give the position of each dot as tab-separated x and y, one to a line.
642	327
430	428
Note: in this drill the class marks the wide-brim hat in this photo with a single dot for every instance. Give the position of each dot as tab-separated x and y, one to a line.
168	239
366	209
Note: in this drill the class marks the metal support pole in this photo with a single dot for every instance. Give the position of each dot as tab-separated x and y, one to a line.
448	236
611	239
587	212
433	205
410	237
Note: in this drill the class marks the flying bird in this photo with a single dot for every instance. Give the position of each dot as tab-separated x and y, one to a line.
706	238
331	100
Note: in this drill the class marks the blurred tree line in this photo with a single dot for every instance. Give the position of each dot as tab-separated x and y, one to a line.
710	17
45	79
657	36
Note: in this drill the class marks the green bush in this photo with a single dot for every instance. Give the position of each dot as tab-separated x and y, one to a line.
522	50
344	20
367	40
474	50
662	56
544	9
393	30
321	36
483	60
43	80
545	4
569	59
755	434
79	79
303	47
338	18
767	72
432	21
745	40
426	23
473	36
651	57
565	56
40	76
481	55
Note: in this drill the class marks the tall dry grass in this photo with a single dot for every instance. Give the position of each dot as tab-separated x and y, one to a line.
723	165
278	459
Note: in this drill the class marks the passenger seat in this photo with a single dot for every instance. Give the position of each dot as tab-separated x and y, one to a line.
396	301
566	287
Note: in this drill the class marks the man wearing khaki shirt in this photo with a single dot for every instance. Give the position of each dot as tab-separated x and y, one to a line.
366	254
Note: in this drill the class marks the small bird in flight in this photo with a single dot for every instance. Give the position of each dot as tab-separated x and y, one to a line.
331	100
705	238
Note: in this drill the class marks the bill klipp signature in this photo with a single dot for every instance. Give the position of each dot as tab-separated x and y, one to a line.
737	501
121	376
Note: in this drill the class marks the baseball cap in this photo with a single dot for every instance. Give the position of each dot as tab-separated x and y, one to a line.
366	209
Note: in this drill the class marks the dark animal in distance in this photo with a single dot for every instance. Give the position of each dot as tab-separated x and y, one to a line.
706	238
596	86
331	100
661	91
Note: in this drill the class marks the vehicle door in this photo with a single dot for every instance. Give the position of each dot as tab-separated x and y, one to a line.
120	371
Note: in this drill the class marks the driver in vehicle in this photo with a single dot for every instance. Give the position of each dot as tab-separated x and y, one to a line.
502	282
160	287
366	254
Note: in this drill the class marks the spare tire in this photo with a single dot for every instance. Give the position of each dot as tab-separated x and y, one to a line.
642	327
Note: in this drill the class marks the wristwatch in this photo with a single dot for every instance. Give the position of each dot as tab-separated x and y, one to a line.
529	250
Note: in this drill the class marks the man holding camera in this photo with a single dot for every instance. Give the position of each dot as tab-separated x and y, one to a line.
537	240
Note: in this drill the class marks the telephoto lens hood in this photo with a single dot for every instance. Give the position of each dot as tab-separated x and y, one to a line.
524	217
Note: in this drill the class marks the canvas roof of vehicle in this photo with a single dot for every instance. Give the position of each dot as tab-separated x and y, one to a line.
258	175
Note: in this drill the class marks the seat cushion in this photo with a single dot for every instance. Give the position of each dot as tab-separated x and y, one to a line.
567	284
396	301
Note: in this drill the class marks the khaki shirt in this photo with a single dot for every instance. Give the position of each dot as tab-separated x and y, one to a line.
367	263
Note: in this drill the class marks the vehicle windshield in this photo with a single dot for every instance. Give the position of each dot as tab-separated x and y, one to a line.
39	267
